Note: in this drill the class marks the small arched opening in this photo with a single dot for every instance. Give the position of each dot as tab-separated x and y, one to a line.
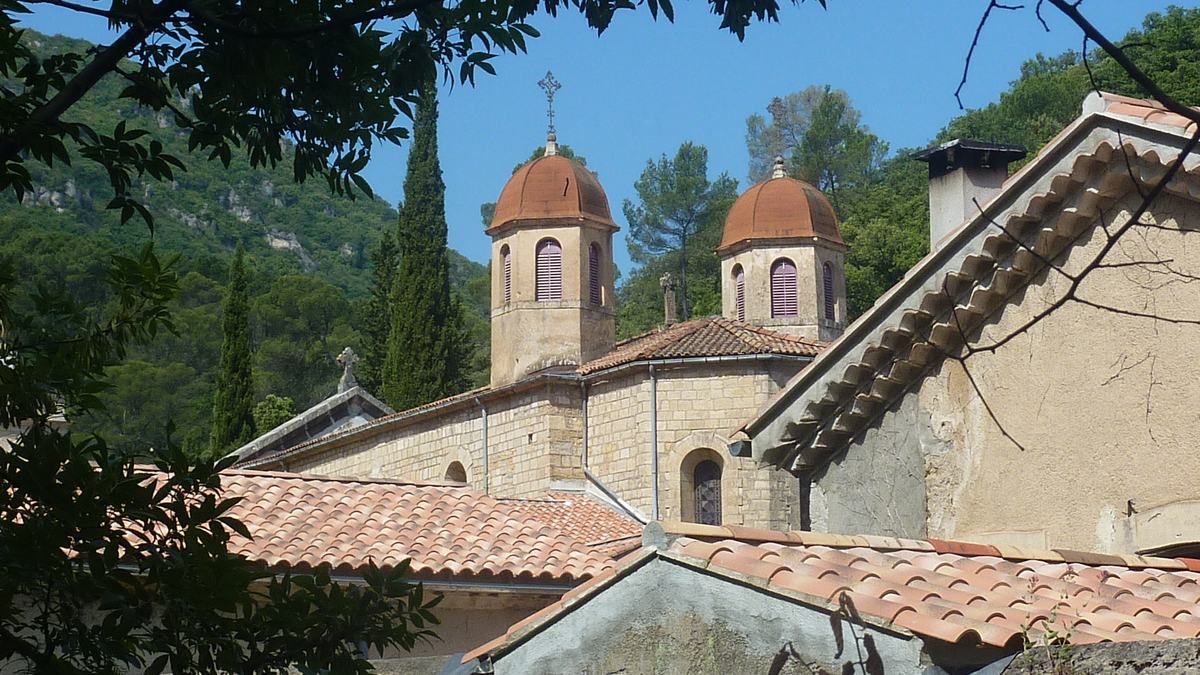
506	266
739	292
456	473
700	487
595	296
827	288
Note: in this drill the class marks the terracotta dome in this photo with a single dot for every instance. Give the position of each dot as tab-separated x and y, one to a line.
780	208
552	187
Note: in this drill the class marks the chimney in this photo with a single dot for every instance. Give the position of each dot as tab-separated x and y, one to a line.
668	287
962	172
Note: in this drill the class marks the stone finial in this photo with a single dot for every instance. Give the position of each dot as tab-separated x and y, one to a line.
667	282
551	144
346	360
778	171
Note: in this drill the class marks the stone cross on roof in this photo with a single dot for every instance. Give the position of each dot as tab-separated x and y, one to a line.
346	360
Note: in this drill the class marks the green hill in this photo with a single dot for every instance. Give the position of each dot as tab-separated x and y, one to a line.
307	251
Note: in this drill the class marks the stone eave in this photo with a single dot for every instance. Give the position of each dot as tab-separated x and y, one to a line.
781	242
894	344
550	222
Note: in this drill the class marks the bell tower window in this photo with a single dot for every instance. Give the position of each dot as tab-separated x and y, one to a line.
783	289
827	281
594	295
739	292
506	264
549	271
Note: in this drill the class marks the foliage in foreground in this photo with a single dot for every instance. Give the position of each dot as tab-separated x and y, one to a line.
116	561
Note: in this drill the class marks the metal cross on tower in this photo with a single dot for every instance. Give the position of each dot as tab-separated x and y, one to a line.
551	86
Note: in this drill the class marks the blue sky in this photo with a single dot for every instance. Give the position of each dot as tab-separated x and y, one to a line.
642	88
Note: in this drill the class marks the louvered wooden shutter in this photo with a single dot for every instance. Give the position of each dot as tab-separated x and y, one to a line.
549	270
507	255
594	274
828	288
783	289
739	285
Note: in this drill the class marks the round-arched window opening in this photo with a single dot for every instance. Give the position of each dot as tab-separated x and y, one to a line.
456	473
506	264
739	292
549	271
827	288
706	486
783	289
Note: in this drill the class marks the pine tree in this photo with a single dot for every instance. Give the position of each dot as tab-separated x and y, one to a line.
424	356
377	323
233	402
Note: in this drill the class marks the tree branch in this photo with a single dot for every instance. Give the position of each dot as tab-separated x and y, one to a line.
12	143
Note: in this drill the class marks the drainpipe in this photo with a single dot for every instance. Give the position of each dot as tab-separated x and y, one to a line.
583	392
483	418
654	442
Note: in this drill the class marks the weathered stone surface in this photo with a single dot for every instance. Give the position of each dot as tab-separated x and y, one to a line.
1164	657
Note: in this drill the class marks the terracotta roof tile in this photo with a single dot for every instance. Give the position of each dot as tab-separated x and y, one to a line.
304	522
961	591
1146	110
710	336
944	590
580	517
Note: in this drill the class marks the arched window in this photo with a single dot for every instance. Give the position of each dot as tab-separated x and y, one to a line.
783	288
549	270
594	275
827	279
706	487
739	292
455	472
506	263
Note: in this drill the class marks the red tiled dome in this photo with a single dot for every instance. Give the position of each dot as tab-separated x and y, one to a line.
552	187
780	208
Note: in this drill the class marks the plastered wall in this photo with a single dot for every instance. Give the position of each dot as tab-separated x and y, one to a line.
1091	441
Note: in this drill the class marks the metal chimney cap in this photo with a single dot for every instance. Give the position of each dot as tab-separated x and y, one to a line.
962	153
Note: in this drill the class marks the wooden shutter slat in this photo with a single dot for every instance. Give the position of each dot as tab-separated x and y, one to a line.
783	289
549	271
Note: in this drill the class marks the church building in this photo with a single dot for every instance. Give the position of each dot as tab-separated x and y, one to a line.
643	424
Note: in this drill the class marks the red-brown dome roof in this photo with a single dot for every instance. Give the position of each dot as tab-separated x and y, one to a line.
552	187
780	208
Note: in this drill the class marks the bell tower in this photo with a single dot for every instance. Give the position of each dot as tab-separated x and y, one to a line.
552	266
783	259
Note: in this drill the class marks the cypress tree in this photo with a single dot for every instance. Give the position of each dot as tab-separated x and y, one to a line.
423	360
233	403
377	323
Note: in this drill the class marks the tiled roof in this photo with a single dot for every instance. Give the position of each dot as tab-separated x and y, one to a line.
1038	214
303	522
955	592
1146	110
580	517
710	336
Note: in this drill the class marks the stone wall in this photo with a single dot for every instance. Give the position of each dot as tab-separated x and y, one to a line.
535	441
532	440
1088	437
810	321
698	406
